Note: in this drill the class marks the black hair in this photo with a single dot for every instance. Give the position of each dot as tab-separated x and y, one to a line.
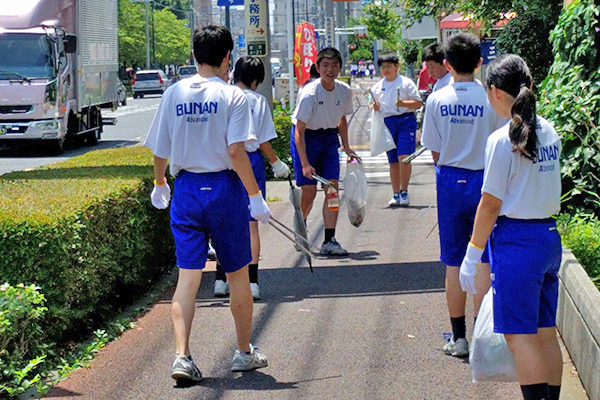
510	73
249	69
463	52
211	44
314	74
329	52
388	57
434	52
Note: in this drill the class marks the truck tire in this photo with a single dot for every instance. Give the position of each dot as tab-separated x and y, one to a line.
135	95
57	147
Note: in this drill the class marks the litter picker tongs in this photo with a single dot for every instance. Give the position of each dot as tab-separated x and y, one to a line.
291	235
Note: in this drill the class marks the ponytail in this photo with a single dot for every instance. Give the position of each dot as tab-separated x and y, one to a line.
510	73
522	132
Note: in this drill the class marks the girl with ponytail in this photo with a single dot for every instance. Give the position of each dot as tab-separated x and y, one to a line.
520	194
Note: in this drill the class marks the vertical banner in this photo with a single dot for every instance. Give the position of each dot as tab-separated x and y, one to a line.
305	51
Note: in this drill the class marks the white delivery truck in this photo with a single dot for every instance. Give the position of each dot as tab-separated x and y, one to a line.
58	66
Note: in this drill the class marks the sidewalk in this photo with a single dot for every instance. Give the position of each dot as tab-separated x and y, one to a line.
368	326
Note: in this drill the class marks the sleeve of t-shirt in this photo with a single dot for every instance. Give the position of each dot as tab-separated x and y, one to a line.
498	159
432	138
267	129
240	127
304	109
349	108
413	92
159	135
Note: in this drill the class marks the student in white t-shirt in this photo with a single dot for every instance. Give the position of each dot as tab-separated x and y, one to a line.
320	124
397	98
458	121
249	72
199	130
521	194
433	55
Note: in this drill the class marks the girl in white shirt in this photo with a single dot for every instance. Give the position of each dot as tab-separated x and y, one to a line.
520	194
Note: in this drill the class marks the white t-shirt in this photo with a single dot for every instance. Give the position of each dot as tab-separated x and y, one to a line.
321	109
528	189
443	82
387	93
197	119
262	120
458	120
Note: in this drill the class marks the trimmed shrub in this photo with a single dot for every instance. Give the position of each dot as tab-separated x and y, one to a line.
84	230
581	234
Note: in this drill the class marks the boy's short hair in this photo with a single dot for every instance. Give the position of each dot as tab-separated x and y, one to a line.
463	52
388	57
211	44
434	52
249	69
329	52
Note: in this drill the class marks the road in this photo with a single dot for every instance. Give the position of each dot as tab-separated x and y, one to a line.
134	119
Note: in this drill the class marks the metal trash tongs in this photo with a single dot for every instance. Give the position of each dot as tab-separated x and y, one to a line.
321	180
286	232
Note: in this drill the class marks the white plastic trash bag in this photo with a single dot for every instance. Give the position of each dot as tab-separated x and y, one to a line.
355	192
381	138
489	355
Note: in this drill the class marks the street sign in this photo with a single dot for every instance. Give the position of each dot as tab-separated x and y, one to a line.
241	41
255	16
329	32
227	3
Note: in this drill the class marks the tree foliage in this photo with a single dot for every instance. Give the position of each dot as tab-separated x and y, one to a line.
171	36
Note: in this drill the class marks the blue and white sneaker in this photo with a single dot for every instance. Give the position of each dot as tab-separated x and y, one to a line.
395	200
404	200
247	362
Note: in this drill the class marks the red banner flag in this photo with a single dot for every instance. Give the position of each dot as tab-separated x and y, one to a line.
305	51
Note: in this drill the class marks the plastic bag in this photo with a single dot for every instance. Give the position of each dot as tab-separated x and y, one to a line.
355	192
381	138
489	355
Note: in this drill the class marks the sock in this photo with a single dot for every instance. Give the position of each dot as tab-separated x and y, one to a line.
329	234
459	328
538	391
553	392
253	272
220	274
404	191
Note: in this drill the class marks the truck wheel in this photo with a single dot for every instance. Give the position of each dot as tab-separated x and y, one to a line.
141	96
135	95
92	138
124	102
57	147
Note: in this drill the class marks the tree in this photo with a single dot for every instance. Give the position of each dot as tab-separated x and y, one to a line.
132	33
172	38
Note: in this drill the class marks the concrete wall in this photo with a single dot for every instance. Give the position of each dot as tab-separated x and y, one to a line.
578	321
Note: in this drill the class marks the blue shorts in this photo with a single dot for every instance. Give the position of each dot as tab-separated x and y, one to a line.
211	205
258	167
404	130
525	258
458	195
322	152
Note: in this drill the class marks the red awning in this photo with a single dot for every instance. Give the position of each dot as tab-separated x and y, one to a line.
460	21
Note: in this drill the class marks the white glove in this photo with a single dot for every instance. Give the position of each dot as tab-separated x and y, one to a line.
259	210
161	195
280	169
468	268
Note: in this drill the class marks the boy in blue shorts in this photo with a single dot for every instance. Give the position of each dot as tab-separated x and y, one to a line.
199	130
458	121
397	98
320	118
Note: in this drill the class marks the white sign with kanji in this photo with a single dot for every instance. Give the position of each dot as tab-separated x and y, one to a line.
255	15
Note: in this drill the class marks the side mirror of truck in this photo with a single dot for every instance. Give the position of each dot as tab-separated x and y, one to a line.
70	44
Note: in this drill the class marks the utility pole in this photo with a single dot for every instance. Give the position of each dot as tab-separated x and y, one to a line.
290	46
329	24
340	22
192	28
147	38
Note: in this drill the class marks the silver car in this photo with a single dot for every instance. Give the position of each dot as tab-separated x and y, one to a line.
149	82
187	71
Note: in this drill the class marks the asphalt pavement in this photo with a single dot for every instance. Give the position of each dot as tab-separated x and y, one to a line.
367	326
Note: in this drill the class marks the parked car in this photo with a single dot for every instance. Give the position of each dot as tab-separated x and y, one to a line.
149	82
187	71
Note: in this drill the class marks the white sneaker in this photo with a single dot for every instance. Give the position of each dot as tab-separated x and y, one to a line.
255	291
332	248
247	362
460	348
184	370
221	288
395	200
404	200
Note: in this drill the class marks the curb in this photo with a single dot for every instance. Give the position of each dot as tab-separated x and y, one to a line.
578	321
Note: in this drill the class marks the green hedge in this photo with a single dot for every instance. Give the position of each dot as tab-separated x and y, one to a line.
581	234
84	230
